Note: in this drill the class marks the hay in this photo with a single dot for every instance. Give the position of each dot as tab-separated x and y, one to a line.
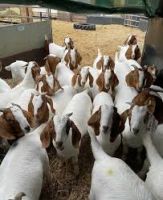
107	38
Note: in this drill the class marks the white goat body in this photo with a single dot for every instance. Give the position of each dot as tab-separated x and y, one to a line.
61	98
14	93
105	99
57	50
17	69
113	179
23	167
63	74
4	87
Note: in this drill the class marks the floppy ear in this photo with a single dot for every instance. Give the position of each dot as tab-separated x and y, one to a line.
124	116
30	105
111	63
47	67
137	53
151	105
101	82
90	79
57	85
76	135
114	81
74	79
50	102
117	126
29	118
100	63
132	79
47	134
7	135
94	121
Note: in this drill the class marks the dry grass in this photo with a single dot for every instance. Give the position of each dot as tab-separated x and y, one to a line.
107	38
64	185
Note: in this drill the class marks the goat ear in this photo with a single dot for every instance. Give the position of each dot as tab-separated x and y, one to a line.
76	135
151	105
101	82
124	116
47	133
94	121
50	102
30	105
29	118
57	85
47	66
130	79
100	63
117	126
90	79
115	81
137	53
74	79
111	63
7	135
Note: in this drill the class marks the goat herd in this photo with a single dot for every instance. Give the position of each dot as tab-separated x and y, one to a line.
116	102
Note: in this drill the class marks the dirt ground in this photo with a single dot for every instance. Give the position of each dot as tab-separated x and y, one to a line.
64	185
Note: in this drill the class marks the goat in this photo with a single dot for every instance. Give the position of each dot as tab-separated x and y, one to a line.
106	122
29	81
107	81
23	168
63	74
133	50
72	58
59	50
103	62
67	130
17	69
15	122
47	84
51	62
62	97
113	179
80	79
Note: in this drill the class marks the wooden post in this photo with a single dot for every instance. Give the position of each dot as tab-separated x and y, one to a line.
26	12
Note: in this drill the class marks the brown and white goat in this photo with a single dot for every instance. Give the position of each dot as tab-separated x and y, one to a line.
103	62
72	58
38	108
106	123
48	84
15	122
107	81
51	62
81	78
67	130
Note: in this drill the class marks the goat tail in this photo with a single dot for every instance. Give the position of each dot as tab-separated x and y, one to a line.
97	150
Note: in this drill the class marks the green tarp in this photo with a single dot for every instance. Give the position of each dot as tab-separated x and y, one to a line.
148	7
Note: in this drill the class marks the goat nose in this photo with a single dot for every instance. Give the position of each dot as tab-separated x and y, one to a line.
135	131
59	144
105	128
27	128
